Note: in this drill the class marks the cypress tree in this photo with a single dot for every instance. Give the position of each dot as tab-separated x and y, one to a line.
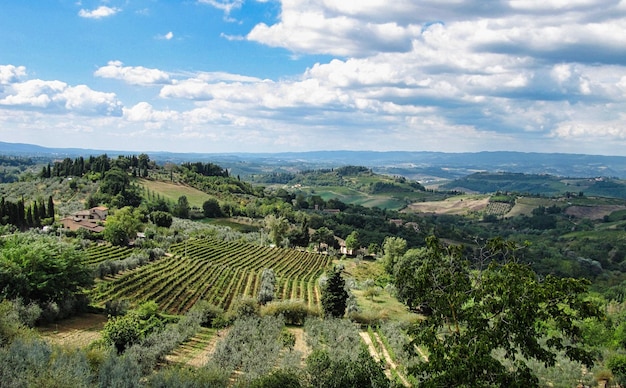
334	295
50	207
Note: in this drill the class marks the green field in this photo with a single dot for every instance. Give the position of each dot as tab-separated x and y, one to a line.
172	191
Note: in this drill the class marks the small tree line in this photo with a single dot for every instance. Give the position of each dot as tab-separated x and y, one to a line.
25	216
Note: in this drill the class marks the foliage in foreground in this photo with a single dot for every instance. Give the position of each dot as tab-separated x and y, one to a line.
474	312
40	268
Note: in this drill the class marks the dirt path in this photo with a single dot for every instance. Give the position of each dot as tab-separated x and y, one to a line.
390	364
78	331
197	351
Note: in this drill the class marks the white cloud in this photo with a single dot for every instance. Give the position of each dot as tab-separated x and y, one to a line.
11	73
224	5
83	100
98	13
58	97
144	112
137	75
167	36
450	75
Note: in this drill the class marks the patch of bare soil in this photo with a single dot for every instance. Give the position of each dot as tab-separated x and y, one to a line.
300	345
592	212
78	331
450	206
198	350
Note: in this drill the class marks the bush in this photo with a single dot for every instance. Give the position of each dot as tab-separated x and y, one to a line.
277	379
294	312
119	371
181	377
116	307
367	318
11	326
35	363
245	307
212	315
326	369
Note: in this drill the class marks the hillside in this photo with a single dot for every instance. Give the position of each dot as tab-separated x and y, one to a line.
187	262
547	185
355	185
423	166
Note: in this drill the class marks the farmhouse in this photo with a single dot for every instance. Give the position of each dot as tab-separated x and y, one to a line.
86	219
98	213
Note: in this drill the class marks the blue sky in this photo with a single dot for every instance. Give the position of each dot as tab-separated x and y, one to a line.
300	75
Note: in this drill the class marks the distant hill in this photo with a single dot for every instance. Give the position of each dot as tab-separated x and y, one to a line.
423	166
544	184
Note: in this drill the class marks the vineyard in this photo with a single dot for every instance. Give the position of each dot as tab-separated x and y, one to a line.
218	272
498	208
100	253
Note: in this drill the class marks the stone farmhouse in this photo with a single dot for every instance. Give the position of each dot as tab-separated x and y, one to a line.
91	219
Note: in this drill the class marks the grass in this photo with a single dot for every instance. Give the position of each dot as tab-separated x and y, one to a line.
233	224
384	305
172	191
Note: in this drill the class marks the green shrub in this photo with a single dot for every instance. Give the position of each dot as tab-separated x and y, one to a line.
245	307
182	377
277	379
212	315
294	312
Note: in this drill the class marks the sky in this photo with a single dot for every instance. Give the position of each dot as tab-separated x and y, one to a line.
225	76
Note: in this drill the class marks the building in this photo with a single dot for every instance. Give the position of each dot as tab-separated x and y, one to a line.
90	220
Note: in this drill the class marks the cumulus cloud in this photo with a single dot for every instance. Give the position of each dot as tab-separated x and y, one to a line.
445	75
137	75
144	112
101	12
11	73
56	97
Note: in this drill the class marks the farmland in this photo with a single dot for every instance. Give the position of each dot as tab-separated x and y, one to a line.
172	191
218	272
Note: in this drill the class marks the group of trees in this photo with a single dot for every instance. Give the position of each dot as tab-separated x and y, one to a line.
96	166
22	217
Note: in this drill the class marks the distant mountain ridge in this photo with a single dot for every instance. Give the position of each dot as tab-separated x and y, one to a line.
418	165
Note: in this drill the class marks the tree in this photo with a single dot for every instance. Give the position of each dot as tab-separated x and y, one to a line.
323	235
393	248
268	283
277	228
617	365
330	371
212	209
122	331
334	295
300	236
502	306
352	241
161	218
181	209
122	226
115	181
40	269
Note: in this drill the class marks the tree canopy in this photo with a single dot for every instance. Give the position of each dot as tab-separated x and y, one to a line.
474	311
40	269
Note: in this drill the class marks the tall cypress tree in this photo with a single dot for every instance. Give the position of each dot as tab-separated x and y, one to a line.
50	207
334	295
